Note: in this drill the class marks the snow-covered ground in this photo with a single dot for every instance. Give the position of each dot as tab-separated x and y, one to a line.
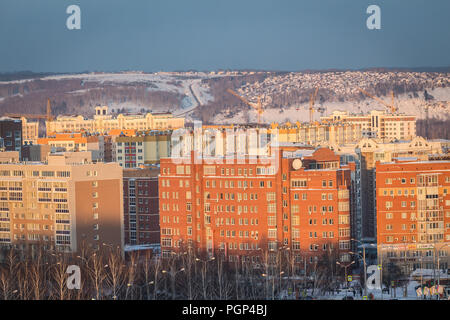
189	84
398	293
406	104
158	81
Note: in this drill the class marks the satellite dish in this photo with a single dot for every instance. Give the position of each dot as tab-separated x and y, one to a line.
297	164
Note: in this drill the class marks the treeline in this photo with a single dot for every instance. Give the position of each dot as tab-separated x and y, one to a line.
75	96
12	76
106	275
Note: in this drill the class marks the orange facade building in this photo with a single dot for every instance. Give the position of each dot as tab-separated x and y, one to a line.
413	212
298	201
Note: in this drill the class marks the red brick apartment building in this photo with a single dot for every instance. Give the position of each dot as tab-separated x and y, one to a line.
249	206
141	205
413	213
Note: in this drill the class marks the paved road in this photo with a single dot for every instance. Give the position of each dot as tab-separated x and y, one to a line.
193	108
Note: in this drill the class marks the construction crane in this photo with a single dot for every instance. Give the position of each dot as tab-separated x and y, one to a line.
47	116
312	100
391	106
257	106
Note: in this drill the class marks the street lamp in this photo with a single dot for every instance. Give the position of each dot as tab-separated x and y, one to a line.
281	273
365	274
438	267
173	275
345	268
204	273
364	262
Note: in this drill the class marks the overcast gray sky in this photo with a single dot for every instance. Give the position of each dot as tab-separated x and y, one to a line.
154	35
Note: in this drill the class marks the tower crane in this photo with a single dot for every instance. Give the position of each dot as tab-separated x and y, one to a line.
312	100
391	106
257	106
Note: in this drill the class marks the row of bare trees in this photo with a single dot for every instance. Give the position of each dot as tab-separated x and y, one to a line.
107	275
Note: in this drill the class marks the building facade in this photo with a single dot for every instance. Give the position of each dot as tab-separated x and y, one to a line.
143	148
75	142
297	200
378	124
65	205
413	213
30	130
35	152
141	206
318	133
11	133
104	122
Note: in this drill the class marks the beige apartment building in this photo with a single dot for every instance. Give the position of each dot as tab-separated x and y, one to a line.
74	142
378	124
104	122
9	156
144	148
30	130
318	133
65	205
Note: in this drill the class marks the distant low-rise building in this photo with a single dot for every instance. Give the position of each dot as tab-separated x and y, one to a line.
378	124
104	122
318	133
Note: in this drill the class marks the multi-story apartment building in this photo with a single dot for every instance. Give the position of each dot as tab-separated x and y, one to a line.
104	122
143	148
378	124
9	156
244	206
141	206
318	133
413	213
65	205
35	152
219	141
30	130
365	154
74	142
11	133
